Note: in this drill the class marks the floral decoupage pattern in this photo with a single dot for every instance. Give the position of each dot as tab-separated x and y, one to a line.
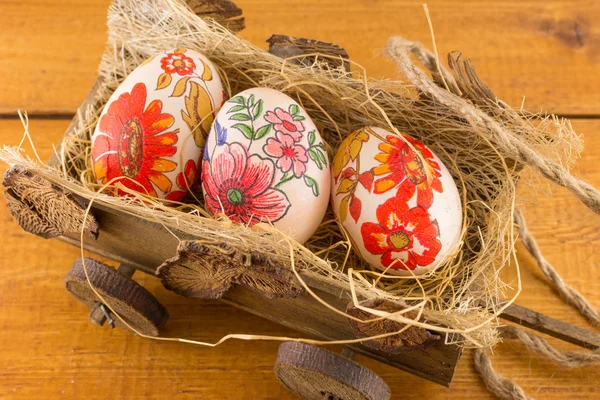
400	206
266	162
151	135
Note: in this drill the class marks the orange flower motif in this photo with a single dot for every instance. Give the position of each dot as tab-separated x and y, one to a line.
405	238
401	167
351	147
177	63
131	144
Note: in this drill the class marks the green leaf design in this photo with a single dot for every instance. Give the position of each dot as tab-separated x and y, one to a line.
236	109
294	109
314	155
245	129
311	138
299	118
240	117
310	182
322	157
263	131
238	100
258	109
251	100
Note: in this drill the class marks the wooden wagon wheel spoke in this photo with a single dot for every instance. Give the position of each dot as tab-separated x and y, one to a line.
131	301
316	374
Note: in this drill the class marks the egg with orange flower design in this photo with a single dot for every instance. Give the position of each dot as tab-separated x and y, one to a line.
151	135
397	201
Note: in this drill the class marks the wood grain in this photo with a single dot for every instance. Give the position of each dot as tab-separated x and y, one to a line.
55	352
547	51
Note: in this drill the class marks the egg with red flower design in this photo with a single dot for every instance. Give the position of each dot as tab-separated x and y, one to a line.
151	135
265	162
397	201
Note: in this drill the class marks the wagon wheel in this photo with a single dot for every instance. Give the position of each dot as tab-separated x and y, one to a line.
316	374
131	301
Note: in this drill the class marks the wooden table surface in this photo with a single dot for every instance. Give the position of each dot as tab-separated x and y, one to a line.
49	50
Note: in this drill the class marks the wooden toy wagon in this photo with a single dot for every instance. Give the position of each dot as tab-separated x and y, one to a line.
306	289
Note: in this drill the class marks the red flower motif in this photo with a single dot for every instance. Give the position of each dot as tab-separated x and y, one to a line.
401	166
132	142
177	62
285	122
289	154
185	181
240	187
405	237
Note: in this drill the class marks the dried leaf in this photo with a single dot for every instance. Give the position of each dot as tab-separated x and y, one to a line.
180	87
164	80
198	113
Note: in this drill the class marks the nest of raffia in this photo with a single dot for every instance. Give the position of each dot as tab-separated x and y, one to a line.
484	143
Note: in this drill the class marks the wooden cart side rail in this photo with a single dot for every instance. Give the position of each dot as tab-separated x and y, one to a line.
154	244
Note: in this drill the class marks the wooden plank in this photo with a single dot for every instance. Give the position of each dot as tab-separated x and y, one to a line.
50	53
546	51
55	352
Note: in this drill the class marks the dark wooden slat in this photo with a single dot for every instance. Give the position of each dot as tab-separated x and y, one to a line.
550	326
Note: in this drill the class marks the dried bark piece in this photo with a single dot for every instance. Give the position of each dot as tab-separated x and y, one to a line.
199	270
411	339
131	301
44	209
316	374
225	12
268	279
209	270
469	82
284	46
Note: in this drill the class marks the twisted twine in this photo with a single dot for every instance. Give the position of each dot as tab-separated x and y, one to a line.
506	389
572	296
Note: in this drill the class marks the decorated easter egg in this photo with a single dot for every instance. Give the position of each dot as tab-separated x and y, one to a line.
397	201
265	161
151	134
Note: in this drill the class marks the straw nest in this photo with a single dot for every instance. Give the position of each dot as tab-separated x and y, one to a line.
484	143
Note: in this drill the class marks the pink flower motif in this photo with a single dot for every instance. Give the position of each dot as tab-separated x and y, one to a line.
239	185
285	122
290	155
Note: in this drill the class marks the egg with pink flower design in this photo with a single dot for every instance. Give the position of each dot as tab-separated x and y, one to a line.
265	161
